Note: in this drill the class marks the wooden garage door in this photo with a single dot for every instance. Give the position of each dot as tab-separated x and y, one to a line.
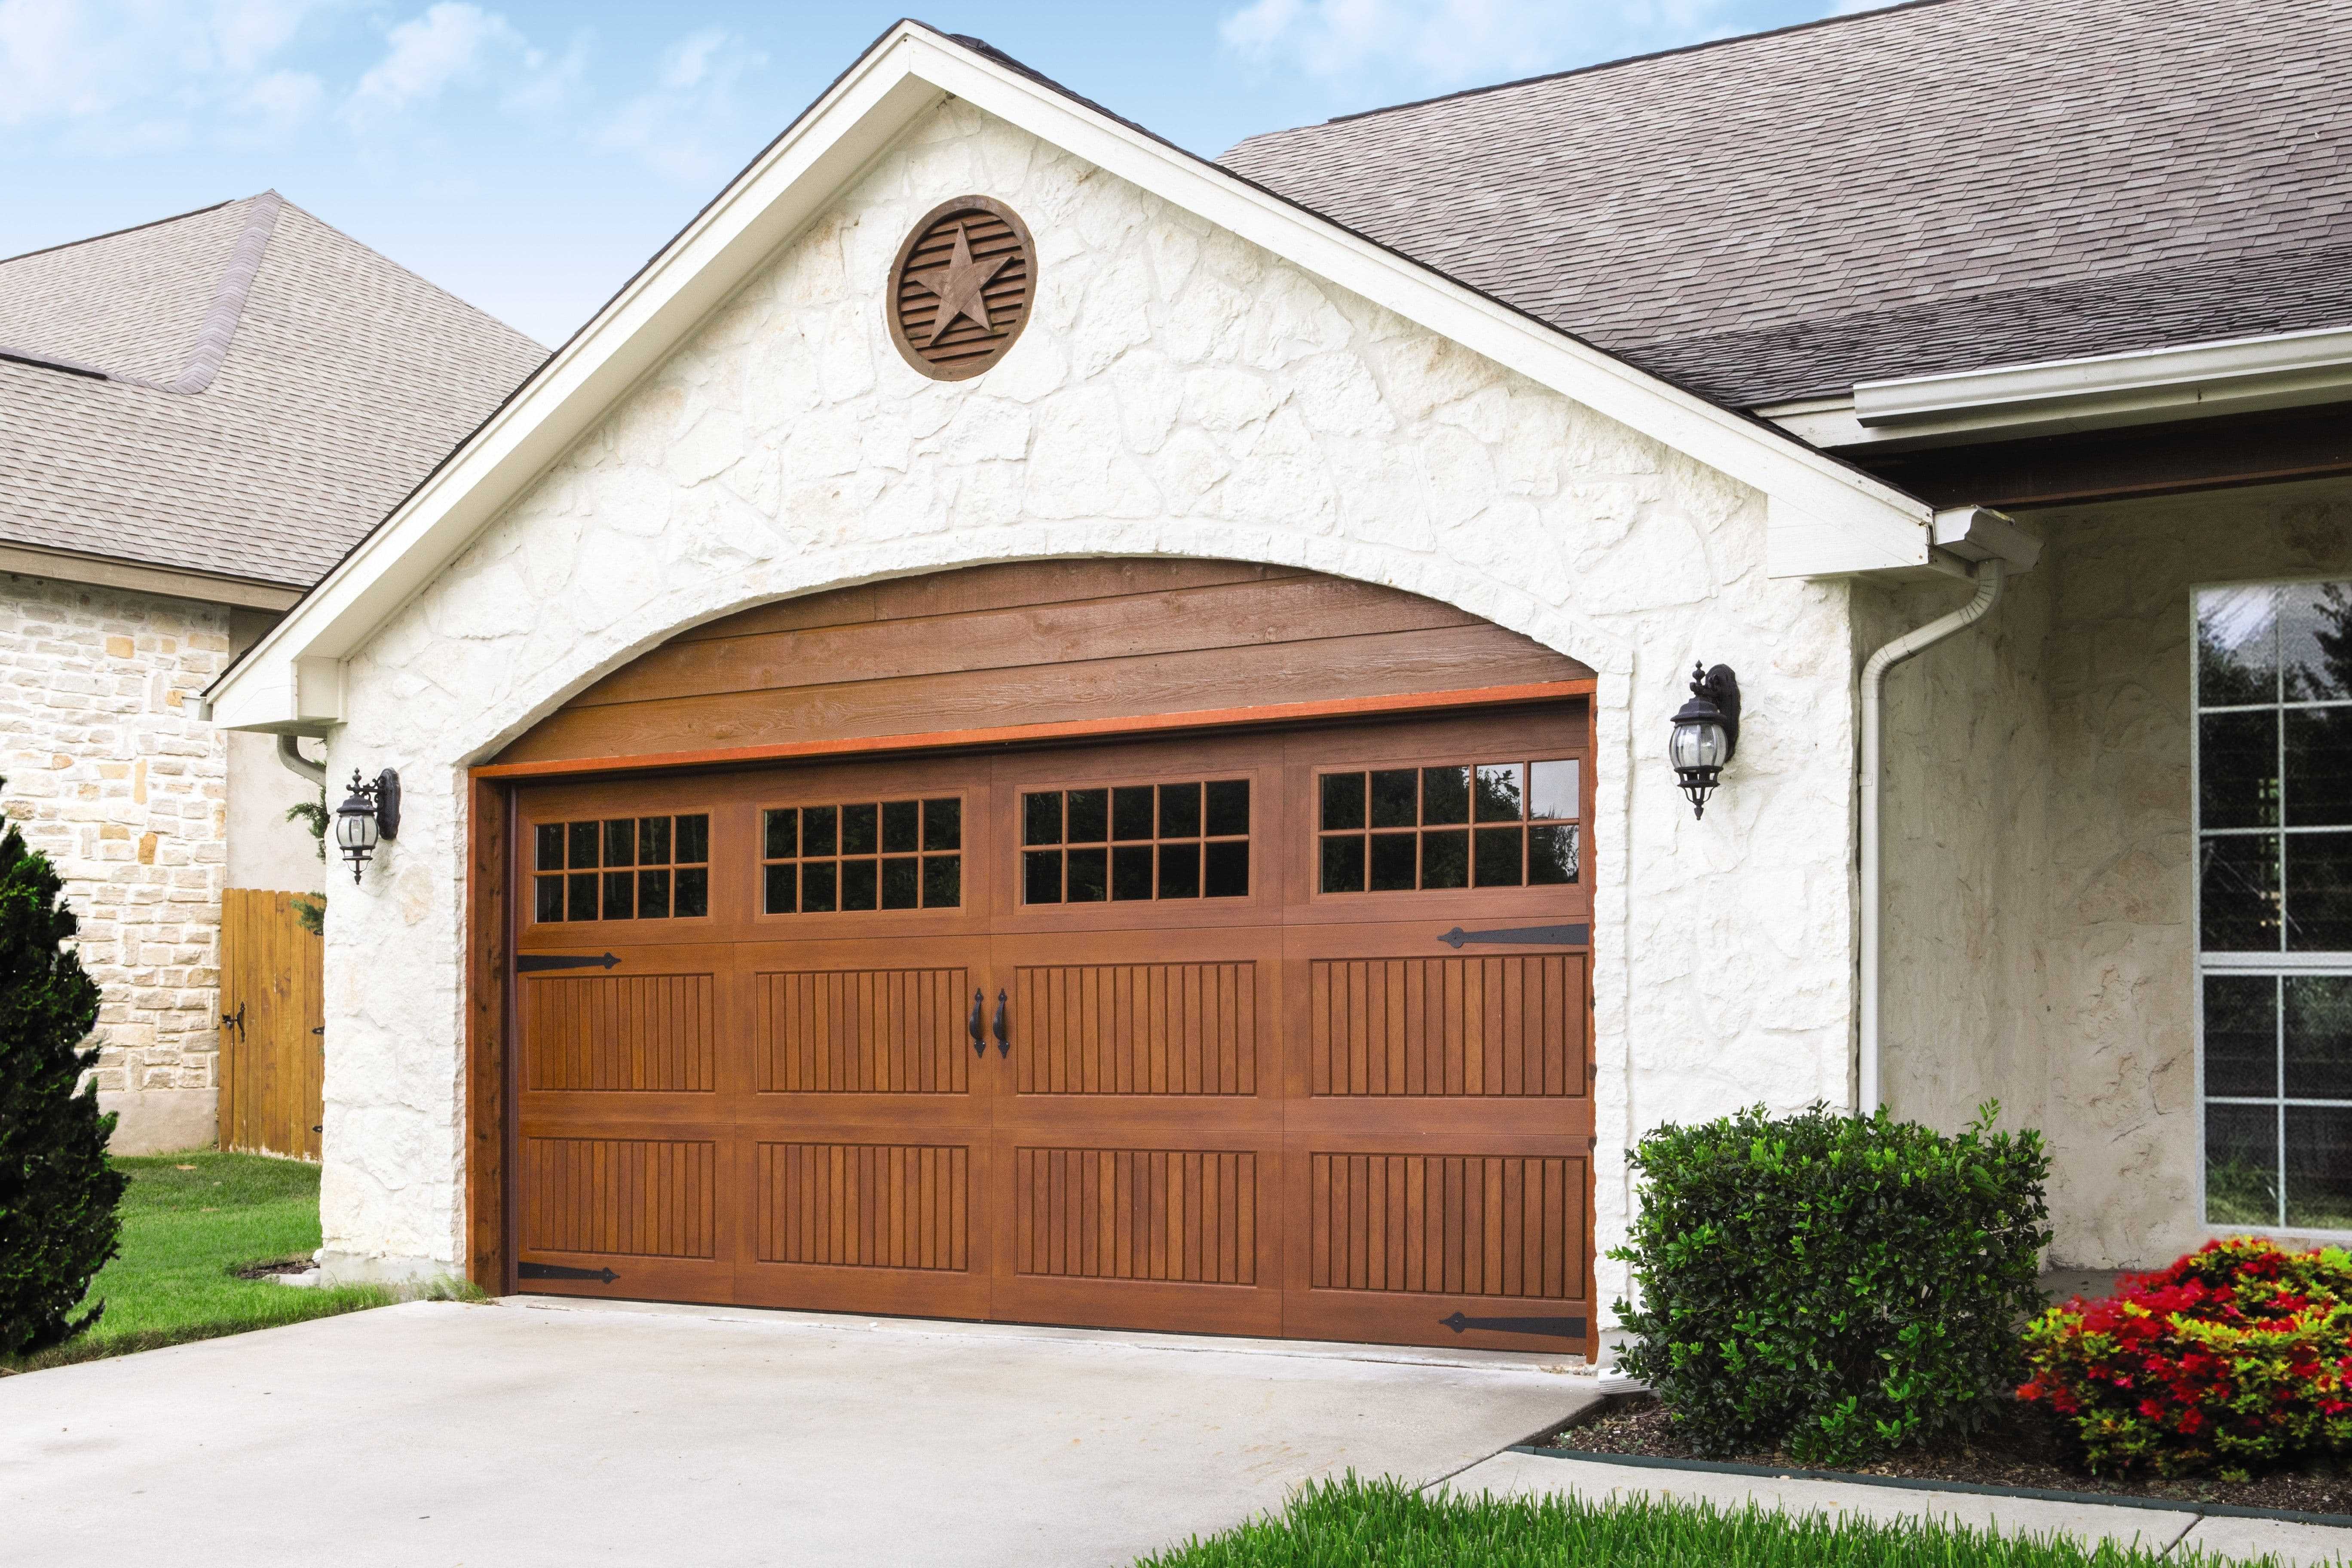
1267	1033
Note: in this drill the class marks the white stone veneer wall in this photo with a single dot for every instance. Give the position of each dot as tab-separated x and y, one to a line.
111	774
1178	392
2041	929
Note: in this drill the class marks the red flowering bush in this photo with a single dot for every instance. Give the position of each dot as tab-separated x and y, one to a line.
2238	1357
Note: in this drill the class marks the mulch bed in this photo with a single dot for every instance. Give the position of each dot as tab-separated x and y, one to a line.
283	1265
2024	1448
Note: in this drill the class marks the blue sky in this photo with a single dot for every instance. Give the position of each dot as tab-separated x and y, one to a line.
529	156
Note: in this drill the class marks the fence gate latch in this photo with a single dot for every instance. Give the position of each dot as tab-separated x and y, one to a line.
235	1020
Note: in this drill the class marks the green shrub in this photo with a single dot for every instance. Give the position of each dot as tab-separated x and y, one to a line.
2238	1356
1832	1286
57	1195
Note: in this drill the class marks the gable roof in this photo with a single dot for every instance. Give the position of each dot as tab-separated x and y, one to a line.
240	391
1822	515
1936	188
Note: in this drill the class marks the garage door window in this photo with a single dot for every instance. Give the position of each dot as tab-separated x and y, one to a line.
1126	842
1485	825
622	867
863	854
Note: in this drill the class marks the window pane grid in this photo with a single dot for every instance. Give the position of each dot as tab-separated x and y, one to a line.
2271	747
862	854
621	868
1457	825
1136	843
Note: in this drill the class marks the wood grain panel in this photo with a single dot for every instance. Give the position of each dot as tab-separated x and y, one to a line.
1228	615
893	1031
272	1057
974	588
1510	1026
1464	1225
621	1032
1177	1215
864	1206
625	1196
1047	642
1138	1028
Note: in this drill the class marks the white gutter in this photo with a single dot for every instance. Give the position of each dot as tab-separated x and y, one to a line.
2188	381
1989	576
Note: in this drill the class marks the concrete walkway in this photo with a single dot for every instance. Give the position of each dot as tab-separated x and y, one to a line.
437	1434
2156	1530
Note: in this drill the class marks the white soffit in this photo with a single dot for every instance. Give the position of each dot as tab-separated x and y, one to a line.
1824	517
2239	375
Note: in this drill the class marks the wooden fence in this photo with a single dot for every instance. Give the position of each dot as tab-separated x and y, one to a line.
273	1044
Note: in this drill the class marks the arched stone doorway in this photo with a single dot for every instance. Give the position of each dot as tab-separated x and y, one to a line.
1169	944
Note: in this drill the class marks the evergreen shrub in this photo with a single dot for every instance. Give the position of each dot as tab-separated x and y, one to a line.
57	1193
1830	1286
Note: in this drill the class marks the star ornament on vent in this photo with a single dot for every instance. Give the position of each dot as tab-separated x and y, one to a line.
961	288
960	285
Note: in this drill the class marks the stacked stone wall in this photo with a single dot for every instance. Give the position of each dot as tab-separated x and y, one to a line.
112	773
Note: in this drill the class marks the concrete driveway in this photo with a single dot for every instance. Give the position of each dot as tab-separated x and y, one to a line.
535	1433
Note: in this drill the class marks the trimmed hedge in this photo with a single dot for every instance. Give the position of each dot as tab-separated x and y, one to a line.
1830	1286
2238	1357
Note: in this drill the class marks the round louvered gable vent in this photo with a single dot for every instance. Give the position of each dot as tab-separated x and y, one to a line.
961	290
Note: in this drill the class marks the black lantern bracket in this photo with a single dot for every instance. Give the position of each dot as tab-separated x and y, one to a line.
1713	710
1718	686
370	814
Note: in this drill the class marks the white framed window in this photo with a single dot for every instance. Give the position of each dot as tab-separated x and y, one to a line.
2273	751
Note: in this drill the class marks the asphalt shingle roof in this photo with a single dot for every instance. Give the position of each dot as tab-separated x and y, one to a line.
268	389
1936	187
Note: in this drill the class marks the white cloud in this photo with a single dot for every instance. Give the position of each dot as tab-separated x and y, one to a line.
1445	43
690	127
134	75
450	41
454	43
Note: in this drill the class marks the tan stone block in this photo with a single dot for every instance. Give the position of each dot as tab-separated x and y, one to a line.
119	647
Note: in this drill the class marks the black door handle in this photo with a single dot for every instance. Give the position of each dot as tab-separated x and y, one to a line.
1003	1040
979	1045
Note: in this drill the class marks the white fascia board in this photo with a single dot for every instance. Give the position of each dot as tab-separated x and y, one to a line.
2237	375
804	169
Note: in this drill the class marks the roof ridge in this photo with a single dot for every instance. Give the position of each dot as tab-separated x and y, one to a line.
219	326
219	329
1598	65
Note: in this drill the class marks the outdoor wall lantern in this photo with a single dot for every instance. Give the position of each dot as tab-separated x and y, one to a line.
372	812
1707	732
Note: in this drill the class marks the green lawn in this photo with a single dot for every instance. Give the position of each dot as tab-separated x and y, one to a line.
189	1222
1383	1524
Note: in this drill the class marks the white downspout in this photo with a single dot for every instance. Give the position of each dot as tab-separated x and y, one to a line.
1873	694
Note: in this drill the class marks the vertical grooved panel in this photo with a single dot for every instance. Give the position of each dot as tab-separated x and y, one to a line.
652	1032
1138	1028
1469	1225
877	1031
863	1205
1500	1027
1186	1216
635	1197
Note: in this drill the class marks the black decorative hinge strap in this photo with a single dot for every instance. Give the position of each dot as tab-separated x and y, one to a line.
1533	936
558	1271
1558	1327
530	962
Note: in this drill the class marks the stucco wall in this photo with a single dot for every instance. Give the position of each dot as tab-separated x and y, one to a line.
2042	901
1178	392
111	774
266	850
